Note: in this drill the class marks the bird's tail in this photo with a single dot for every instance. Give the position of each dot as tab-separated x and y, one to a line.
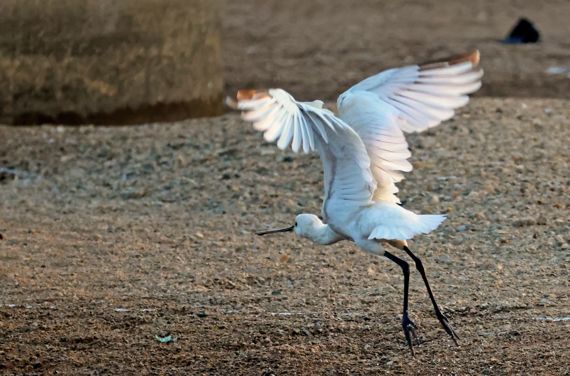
408	227
429	222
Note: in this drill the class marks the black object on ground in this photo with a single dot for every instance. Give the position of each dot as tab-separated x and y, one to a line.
523	32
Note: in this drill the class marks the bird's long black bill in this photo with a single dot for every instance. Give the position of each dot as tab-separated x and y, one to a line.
286	229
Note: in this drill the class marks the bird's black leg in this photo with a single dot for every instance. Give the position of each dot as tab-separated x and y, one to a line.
440	316
407	324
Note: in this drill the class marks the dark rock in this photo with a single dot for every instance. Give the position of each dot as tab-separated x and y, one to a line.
523	32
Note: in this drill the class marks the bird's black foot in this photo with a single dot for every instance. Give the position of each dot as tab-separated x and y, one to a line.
409	331
445	324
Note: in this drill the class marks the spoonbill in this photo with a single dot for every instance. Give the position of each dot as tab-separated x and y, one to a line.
364	154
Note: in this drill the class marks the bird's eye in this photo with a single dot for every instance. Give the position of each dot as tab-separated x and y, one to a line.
295	223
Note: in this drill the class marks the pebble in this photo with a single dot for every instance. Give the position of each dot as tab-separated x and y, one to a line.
444	259
525	222
480	216
461	228
267	151
133	193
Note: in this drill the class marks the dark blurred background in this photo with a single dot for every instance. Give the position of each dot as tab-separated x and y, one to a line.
138	61
318	48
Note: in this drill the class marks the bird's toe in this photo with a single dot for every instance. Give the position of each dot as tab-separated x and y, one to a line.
409	332
447	327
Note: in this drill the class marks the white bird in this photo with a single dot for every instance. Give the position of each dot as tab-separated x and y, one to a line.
364	154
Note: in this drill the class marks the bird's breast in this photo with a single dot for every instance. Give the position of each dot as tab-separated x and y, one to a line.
343	218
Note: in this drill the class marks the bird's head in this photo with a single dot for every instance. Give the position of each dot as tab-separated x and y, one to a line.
305	225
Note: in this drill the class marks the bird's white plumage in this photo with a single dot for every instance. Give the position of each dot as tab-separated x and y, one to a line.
393	222
413	99
364	151
376	124
422	96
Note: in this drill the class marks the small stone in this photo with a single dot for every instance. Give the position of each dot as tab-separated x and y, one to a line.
268	151
559	238
544	302
133	193
555	69
228	151
7	174
445	259
524	222
164	338
480	216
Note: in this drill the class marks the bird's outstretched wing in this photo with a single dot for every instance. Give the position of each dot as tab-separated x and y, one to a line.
307	126
408	99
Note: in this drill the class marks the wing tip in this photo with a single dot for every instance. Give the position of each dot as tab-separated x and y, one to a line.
250	94
245	95
474	57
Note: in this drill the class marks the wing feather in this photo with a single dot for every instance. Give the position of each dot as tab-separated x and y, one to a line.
300	123
308	127
287	134
408	99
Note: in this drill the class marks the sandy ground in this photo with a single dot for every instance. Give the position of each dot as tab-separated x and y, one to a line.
318	48
113	236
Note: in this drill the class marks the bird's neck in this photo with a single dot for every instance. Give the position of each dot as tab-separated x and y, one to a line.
323	234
